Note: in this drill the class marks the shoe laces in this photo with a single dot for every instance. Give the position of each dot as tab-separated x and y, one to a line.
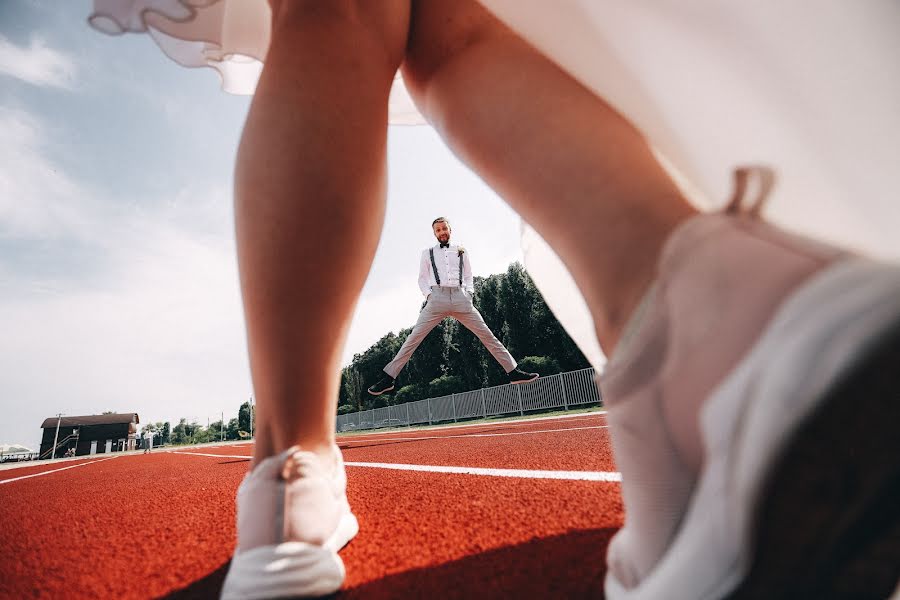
759	177
299	464
302	464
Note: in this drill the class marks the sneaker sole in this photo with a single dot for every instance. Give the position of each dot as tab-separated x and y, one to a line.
523	380
290	569
758	419
381	392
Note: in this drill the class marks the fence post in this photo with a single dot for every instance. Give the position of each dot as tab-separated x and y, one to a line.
428	400
453	405
562	386
408	424
483	405
519	396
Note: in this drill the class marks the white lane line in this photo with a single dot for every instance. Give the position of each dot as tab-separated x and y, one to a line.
608	476
90	462
247	456
469	435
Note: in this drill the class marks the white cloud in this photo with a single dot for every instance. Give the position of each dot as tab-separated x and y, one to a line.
377	313
148	320
162	338
37	64
37	199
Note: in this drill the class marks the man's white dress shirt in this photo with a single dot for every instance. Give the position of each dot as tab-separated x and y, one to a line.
447	262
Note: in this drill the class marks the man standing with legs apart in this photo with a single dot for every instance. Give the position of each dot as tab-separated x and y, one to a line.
445	278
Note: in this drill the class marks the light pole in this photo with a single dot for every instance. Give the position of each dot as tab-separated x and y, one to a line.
56	437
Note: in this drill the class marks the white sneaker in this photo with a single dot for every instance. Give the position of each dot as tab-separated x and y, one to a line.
749	336
292	518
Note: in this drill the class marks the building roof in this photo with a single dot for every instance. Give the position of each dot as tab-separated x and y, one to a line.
111	419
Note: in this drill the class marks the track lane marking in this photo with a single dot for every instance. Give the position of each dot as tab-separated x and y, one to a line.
90	462
247	456
604	476
470	435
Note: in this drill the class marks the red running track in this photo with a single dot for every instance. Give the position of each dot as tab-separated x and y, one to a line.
162	525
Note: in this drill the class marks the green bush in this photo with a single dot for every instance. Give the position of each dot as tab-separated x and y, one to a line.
411	393
445	385
344	409
544	365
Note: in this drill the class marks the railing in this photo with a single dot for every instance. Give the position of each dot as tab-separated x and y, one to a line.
63	442
563	390
17	456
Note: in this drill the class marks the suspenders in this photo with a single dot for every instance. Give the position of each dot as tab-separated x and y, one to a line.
437	278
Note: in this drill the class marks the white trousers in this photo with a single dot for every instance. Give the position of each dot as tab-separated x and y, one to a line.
449	302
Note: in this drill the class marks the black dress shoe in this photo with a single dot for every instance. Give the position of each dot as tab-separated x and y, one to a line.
519	376
385	384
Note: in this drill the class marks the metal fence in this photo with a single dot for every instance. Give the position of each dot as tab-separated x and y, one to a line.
563	390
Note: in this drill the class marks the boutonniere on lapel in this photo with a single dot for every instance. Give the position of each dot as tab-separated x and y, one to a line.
461	251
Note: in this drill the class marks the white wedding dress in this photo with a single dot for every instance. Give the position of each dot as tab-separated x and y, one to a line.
809	88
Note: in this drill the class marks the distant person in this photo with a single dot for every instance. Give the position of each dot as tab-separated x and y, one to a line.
148	441
445	278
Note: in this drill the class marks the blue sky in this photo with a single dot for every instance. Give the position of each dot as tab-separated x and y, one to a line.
118	281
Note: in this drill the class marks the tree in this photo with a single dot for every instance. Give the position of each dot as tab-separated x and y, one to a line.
545	365
428	361
444	386
369	366
164	431
192	430
353	387
201	434
214	431
180	432
244	417
550	337
231	430
411	393
516	300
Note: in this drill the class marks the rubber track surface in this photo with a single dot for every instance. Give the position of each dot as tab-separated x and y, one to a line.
162	525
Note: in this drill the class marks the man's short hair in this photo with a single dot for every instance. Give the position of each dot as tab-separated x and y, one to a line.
440	220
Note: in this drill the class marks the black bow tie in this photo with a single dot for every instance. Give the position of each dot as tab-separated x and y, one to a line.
443	245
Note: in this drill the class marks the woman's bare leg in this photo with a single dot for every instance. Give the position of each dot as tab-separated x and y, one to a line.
309	204
575	169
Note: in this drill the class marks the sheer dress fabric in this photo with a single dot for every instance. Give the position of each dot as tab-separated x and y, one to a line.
230	36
